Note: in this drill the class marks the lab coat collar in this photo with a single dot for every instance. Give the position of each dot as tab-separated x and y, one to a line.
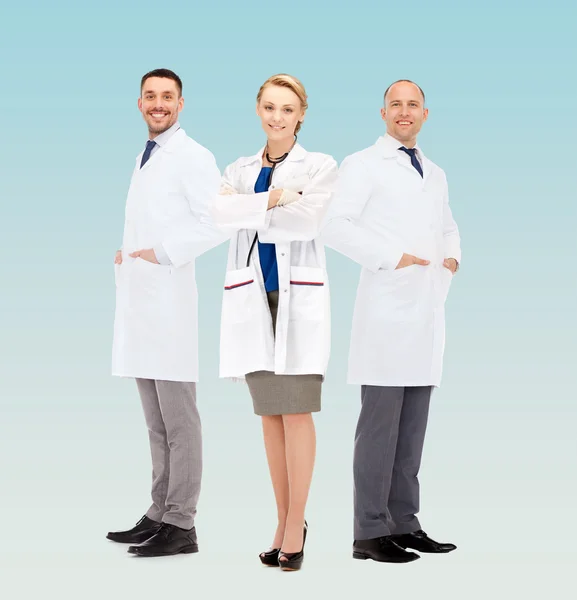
173	142
165	136
388	147
296	154
169	145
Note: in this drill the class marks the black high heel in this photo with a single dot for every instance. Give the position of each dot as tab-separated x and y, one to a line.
270	557
294	559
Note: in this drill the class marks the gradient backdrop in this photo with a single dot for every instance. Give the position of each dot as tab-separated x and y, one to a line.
498	475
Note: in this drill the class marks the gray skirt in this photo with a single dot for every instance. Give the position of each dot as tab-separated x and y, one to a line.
283	394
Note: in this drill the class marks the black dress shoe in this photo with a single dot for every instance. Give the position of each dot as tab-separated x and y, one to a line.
421	542
294	560
144	529
270	557
382	549
169	540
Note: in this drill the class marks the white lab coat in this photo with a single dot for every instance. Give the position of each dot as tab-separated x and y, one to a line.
381	209
155	325
302	343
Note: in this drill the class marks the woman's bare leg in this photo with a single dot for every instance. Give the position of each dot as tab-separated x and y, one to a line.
300	444
274	442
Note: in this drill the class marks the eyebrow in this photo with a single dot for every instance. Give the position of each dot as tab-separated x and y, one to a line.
416	101
153	92
284	105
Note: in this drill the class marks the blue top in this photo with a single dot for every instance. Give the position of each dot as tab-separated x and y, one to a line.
267	252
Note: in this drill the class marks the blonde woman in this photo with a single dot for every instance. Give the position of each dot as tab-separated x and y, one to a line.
275	329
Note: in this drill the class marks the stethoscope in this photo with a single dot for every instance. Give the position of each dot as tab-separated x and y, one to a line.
274	162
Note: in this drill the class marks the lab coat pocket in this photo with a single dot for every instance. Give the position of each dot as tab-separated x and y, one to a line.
239	299
144	265
148	302
399	273
121	292
148	284
399	291
295	184
308	332
446	277
246	339
307	293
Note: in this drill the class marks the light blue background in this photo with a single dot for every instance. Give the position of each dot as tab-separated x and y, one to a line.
498	475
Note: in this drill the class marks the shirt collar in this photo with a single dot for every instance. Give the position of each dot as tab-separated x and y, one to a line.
390	146
296	154
166	135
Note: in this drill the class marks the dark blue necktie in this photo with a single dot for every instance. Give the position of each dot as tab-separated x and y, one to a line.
149	147
412	152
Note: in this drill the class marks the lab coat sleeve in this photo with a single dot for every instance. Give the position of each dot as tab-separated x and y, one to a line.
341	228
232	212
196	233
301	221
450	231
161	255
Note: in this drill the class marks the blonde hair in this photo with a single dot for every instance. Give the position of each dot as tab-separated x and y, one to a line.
290	82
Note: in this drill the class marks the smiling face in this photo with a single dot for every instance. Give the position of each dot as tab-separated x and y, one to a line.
404	112
280	111
160	104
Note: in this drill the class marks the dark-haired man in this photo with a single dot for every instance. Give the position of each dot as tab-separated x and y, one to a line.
390	213
167	226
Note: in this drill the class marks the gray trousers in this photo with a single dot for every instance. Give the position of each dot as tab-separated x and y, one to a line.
175	437
388	447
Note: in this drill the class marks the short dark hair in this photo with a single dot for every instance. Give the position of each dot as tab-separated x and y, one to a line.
403	81
165	74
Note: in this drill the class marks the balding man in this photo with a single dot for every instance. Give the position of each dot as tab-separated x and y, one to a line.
390	213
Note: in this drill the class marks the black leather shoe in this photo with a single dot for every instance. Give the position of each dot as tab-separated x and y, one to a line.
294	560
382	549
144	529
169	540
421	542
270	557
